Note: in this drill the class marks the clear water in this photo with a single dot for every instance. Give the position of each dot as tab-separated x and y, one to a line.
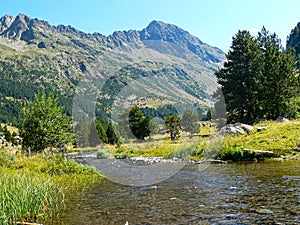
238	193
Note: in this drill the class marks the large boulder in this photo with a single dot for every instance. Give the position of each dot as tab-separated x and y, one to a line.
236	129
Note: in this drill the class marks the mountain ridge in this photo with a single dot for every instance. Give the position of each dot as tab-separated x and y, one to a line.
22	27
36	55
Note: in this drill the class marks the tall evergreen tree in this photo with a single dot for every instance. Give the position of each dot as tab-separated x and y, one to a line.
258	80
111	135
82	133
279	81
139	124
101	128
238	78
94	138
293	43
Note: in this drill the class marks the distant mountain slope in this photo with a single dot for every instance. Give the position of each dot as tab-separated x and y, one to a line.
293	40
35	55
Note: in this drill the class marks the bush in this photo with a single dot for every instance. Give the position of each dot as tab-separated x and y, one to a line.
232	153
58	165
6	159
103	154
123	153
183	152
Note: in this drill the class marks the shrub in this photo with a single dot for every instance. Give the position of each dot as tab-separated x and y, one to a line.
232	153
183	152
123	153
6	159
103	154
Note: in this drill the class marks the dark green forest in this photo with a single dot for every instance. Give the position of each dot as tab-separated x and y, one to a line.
260	79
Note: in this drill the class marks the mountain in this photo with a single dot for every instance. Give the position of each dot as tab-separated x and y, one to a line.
293	40
160	64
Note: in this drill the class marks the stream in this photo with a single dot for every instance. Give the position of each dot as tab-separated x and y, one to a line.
234	193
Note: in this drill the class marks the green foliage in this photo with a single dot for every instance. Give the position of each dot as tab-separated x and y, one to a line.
173	125
6	158
232	153
255	66
32	189
183	152
43	124
103	154
293	42
91	135
59	165
94	139
208	115
101	128
139	124
123	153
26	198
111	135
281	138
189	122
82	133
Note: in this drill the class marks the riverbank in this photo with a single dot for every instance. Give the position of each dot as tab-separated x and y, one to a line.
268	140
34	189
281	138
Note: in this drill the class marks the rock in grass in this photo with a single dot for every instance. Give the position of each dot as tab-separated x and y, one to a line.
264	211
281	119
259	153
236	129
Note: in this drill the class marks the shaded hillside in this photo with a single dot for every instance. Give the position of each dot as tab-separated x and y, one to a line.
293	42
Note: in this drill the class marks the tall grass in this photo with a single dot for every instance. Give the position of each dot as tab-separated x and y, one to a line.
33	189
27	198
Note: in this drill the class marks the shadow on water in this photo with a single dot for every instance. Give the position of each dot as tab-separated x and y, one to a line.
238	193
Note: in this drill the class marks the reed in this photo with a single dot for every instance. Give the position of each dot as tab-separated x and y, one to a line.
27	198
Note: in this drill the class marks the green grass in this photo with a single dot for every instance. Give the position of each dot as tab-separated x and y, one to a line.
281	138
33	189
28	198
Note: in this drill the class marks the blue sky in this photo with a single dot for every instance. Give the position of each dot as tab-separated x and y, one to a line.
213	21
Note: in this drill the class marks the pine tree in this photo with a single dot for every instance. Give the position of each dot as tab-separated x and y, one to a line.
239	77
82	133
111	135
259	80
139	124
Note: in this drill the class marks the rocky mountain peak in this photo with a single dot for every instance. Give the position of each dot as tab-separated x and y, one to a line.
161	31
5	22
17	26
